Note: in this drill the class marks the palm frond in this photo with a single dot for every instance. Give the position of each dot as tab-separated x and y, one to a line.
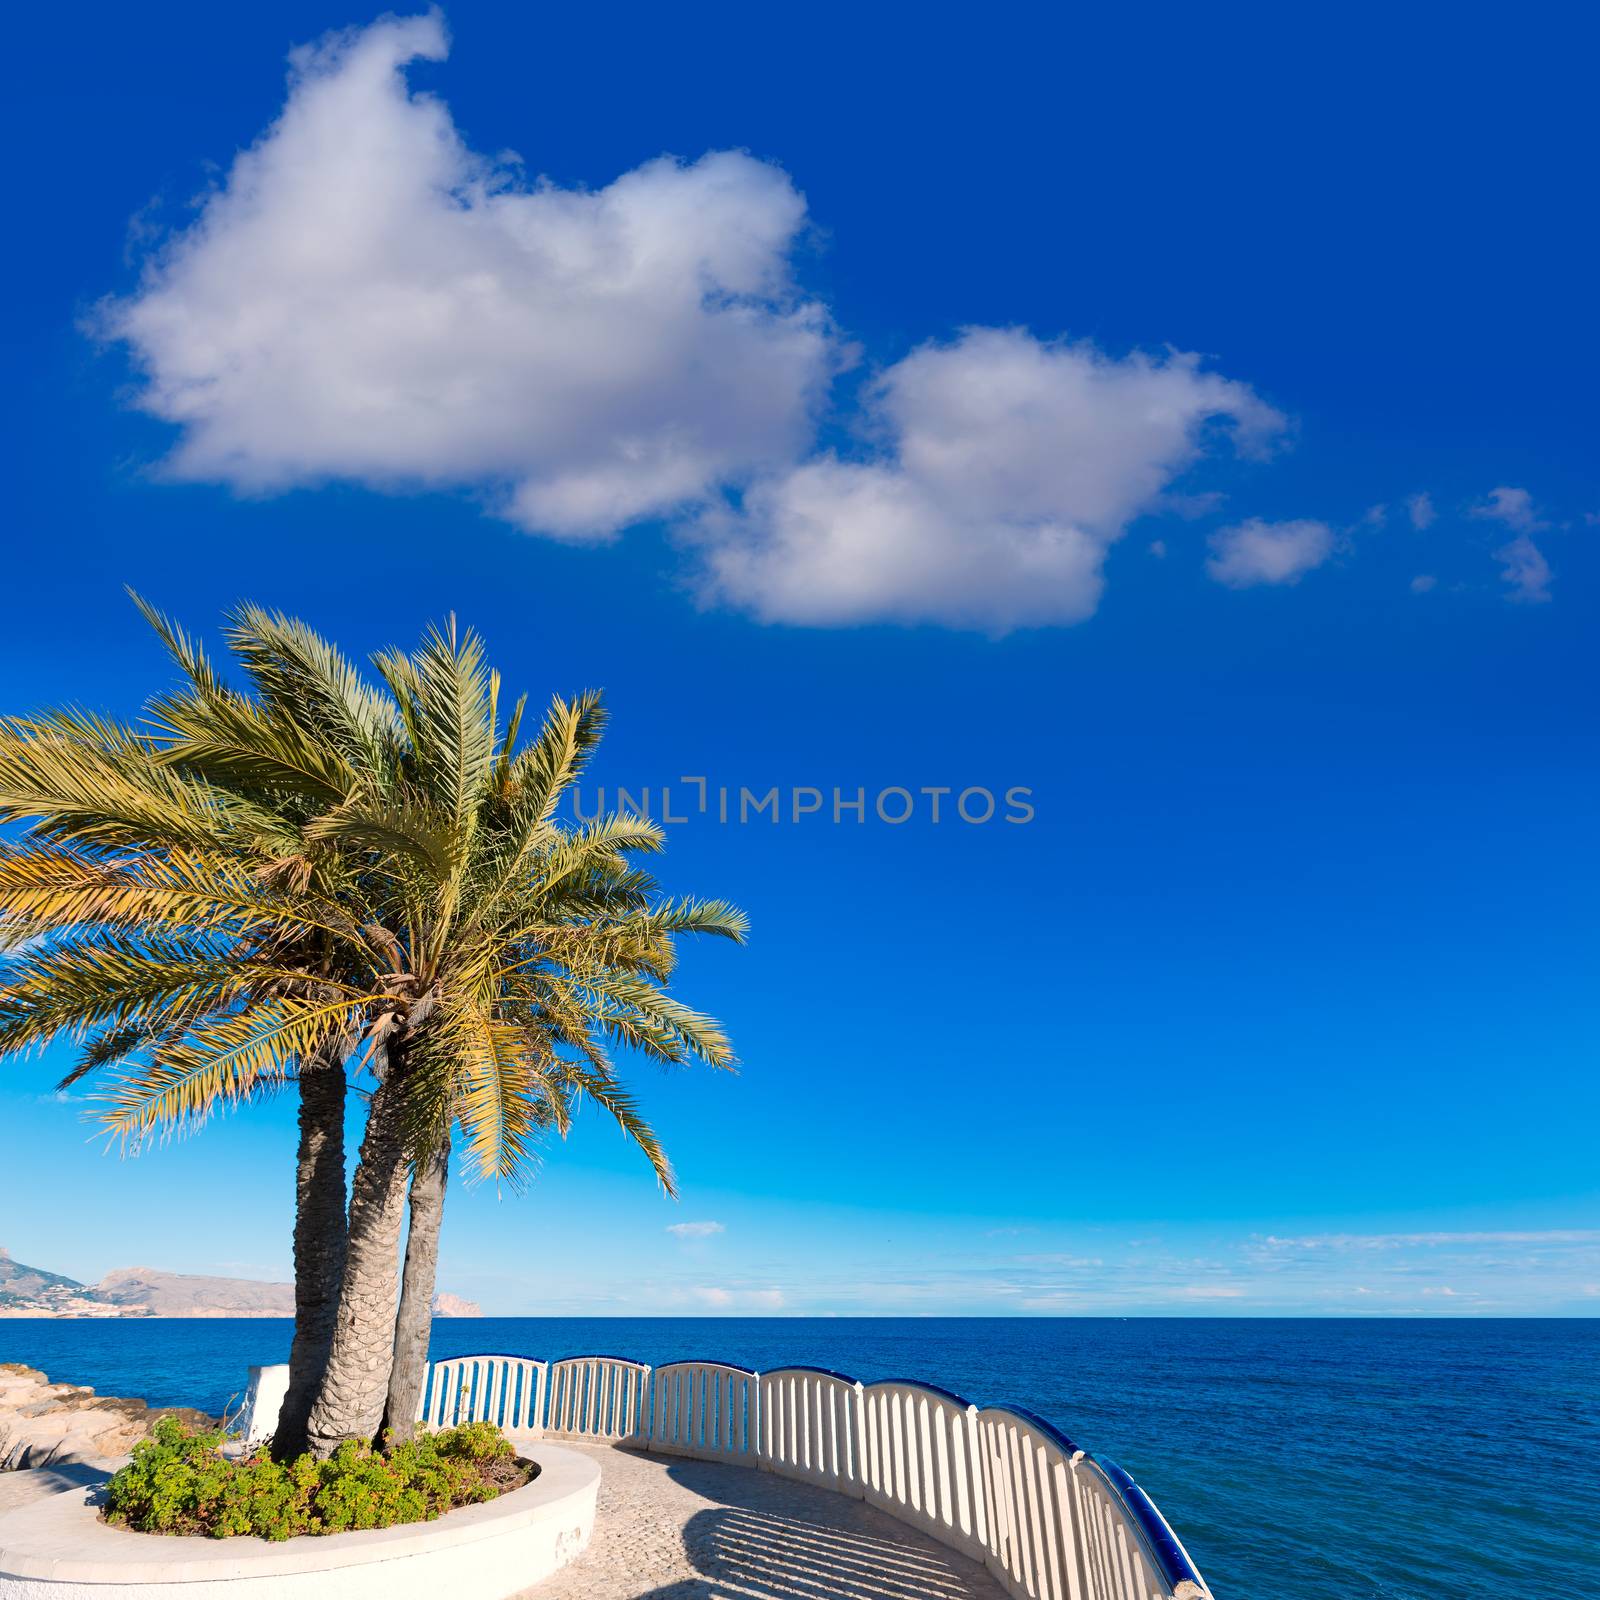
454	731
301	676
185	650
499	1084
624	1111
222	1061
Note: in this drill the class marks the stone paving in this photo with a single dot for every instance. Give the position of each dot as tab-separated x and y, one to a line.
22	1487
672	1529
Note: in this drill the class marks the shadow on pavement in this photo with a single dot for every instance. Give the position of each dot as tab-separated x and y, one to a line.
772	1539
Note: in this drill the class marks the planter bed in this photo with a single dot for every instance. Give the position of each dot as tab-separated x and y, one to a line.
60	1549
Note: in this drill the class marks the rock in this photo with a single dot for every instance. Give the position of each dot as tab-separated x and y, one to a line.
45	1424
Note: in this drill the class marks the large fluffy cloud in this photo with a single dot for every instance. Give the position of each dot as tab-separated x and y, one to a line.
1005	468
366	299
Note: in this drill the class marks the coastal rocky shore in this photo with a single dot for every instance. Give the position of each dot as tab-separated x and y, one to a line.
48	1424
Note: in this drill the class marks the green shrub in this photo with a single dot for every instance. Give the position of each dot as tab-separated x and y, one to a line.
179	1482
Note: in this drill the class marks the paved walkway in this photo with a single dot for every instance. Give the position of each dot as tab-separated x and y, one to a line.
671	1529
35	1483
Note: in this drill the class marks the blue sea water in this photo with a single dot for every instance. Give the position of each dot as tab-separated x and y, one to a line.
1328	1460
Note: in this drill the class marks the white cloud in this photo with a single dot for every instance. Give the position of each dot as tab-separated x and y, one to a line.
1257	552
367	299
1525	569
696	1230
1006	468
1514	507
1587	1238
722	1299
1424	583
1419	507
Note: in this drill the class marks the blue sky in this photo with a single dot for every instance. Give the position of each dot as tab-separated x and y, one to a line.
1190	421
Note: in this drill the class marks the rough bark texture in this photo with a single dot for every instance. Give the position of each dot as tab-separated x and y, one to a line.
415	1320
350	1402
319	1245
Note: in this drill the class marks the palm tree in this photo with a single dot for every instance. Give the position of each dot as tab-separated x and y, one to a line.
523	947
157	911
572	945
304	740
267	878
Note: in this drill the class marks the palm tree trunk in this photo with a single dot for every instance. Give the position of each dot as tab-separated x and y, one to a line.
350	1402
319	1243
414	1323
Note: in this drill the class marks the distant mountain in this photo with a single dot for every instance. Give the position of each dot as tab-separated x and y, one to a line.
145	1291
32	1292
148	1292
18	1281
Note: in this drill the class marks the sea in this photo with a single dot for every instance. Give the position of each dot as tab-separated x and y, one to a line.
1313	1459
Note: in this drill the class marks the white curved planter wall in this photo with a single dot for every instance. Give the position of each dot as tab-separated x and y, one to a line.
58	1549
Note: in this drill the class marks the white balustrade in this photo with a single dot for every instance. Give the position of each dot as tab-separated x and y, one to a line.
923	1464
599	1397
705	1409
811	1428
263	1400
999	1485
505	1390
1063	1526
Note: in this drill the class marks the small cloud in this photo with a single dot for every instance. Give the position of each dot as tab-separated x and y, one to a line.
1526	570
1424	583
1257	552
1419	507
1439	1239
1375	516
696	1230
1189	506
1514	507
721	1299
1158	548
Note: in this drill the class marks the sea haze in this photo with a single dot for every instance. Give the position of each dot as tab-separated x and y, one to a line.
1331	1460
